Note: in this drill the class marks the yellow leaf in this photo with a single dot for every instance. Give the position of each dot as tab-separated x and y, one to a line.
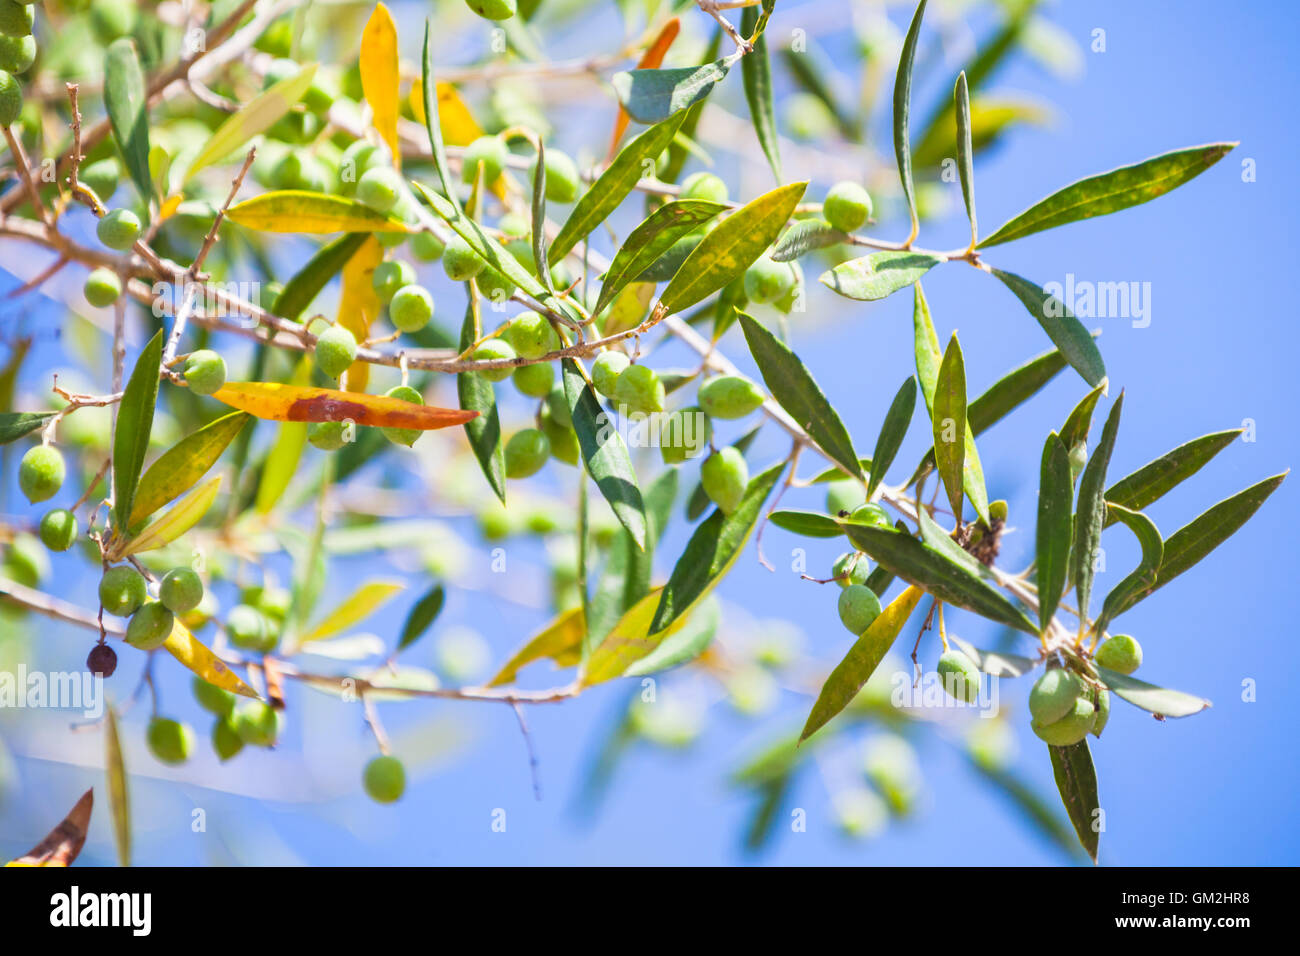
459	128
358	607
359	304
630	639
294	403
179	519
118	800
559	640
296	210
191	652
380	77
169	207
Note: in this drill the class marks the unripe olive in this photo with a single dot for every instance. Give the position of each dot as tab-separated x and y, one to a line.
847	207
558	404
353	164
767	280
531	335
495	287
1069	729
16	19
459	261
379	188
213	699
102	660
1054	694
25	561
563	439
226	741
607	368
205	372
724	476
11	99
122	590
17	54
704	186
102	177
426	247
389	277
384	779
102	285
1120	653
170	740
488	152
872	515
277	40
335	351
257	723
491	350
180	590
515	226
1102	705
411	308
247	627
684	433
561	176
118	229
298	170
41	473
851	567
535	380
959	675
640	389
328	436
150	626
112	18
59	529
526	453
404	436
858	607
729	396
274	603
844	495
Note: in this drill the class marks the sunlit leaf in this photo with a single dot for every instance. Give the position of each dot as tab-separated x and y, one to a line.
805	236
422	615
810	524
475	394
684	645
1090	516
300	211
1142	579
965	152
300	403
14	425
892	432
124	99
879	274
902	110
192	653
179	467
562	636
134	425
1154	479
378	66
651	239
1055	527
359	304
181	517
363	602
1076	779
756	72
652	96
949	419
1066	332
1157	700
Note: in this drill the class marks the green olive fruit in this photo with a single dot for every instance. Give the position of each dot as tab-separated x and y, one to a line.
112	19
277	39
858	607
226	741
169	740
150	626
729	396
41	473
25	560
118	229
605	371
526	453
851	567
847	207
959	675
213	699
844	495
531	335
122	590
767	280
426	247
724	476
384	779
59	529
380	188
561	176
1054	694
460	262
102	660
514	226
275	603
389	277
704	186
563	439
535	380
11	99
249	628
404	436
558	404
102	177
491	350
1069	729
1102	705
486	152
16	19
335	351
1120	653
180	590
495	287
411	308
639	389
257	723
684	433
355	161
872	515
102	285
205	371
328	436
17	54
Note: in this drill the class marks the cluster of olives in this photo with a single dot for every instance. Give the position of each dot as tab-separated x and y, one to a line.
237	723
256	622
17	54
859	606
123	592
1066	707
40	476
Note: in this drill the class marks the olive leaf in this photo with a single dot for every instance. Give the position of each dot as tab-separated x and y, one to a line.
125	101
1076	779
14	425
1143	578
1149	697
810	524
119	802
879	274
650	240
965	152
179	467
683	645
1091	514
432	123
948	415
561	640
652	96
892	433
995	663
538	210
1079	422
195	655
1157	477
134	425
1066	332
180	518
323	266
756	72
902	109
300	211
475	394
377	67
805	236
1055	527
356	607
422	615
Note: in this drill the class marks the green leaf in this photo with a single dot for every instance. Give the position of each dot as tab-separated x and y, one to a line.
652	96
124	99
878	275
650	240
177	520
358	606
902	109
1066	332
607	192
1155	478
14	425
919	564
1055	527
1079	422
1143	579
711	552
422	615
131	436
181	466
477	395
256	116
301	211
666	266
1091	514
604	453
1157	700
119	803
756	72
892	432
308	281
805	236
432	126
1076	779
682	646
965	152
810	524
539	215
941	541
1112	191
730	249
793	386
1032	805
861	661
949	421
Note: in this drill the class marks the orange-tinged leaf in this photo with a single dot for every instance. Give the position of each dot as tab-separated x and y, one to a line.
359	304
652	59
62	844
195	655
293	403
379	75
561	641
459	128
169	207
